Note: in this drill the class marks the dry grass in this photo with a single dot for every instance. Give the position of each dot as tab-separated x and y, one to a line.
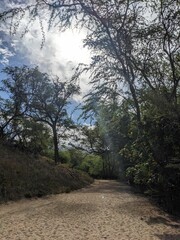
23	175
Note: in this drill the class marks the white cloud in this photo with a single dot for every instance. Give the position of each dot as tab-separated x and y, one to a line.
5	53
8	4
61	52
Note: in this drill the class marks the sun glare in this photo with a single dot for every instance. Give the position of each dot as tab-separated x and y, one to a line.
70	47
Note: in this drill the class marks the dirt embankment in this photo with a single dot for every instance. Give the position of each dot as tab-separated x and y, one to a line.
24	175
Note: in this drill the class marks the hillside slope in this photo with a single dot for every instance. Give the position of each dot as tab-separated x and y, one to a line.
22	175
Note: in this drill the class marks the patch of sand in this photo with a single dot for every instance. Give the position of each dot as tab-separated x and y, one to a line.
105	210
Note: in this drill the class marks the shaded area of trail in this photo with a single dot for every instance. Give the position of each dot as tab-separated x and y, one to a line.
105	210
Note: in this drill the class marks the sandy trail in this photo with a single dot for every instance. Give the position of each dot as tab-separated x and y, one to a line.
105	210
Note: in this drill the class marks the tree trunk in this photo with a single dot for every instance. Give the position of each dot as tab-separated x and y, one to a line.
56	148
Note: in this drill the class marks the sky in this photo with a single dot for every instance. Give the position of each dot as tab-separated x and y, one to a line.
61	52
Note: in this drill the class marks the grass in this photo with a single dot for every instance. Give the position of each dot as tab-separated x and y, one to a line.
22	175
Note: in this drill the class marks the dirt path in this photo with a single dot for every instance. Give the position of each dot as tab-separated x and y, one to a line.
105	210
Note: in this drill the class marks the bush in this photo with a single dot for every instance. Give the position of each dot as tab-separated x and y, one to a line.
93	165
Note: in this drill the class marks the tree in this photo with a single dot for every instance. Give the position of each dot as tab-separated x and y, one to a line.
129	47
14	106
49	105
34	137
35	95
107	135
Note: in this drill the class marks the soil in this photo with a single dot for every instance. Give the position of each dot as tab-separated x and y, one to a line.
105	210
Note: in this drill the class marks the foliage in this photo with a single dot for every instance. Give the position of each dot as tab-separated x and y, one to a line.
34	98
93	165
78	159
65	156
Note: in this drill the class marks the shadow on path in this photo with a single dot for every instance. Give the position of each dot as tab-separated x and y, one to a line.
162	220
168	236
106	186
